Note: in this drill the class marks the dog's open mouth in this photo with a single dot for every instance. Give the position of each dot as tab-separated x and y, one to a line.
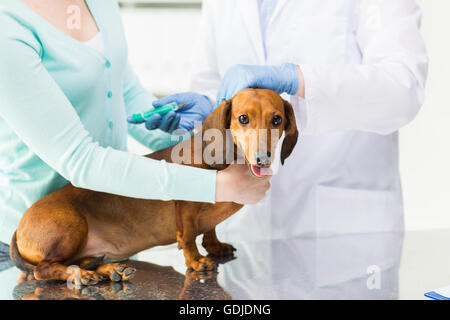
259	171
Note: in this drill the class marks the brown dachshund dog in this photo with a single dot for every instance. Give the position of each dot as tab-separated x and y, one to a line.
74	226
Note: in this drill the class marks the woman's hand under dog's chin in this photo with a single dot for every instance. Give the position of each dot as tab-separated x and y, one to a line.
237	184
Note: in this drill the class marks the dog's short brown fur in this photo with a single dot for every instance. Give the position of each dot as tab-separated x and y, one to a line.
83	227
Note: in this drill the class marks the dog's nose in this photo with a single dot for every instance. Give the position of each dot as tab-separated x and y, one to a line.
262	158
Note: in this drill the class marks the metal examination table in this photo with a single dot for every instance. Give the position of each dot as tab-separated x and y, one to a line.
362	266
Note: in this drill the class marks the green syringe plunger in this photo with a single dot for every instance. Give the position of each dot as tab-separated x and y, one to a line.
141	117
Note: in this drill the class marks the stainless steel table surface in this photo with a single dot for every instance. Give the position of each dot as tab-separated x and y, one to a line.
361	266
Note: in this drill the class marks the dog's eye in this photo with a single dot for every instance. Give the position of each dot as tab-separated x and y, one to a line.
276	121
243	119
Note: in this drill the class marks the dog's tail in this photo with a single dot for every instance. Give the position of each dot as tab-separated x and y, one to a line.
17	259
5	261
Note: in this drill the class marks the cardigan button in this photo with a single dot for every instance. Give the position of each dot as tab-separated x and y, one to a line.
110	124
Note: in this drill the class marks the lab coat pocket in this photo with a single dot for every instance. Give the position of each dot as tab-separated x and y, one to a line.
347	211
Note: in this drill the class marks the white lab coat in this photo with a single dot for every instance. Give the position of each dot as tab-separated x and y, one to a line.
365	66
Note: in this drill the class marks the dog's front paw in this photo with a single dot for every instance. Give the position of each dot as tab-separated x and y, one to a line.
117	271
220	250
202	264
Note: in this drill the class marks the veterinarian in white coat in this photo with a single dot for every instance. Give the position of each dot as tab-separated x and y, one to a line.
364	66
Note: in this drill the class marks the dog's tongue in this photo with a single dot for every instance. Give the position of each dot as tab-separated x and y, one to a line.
258	171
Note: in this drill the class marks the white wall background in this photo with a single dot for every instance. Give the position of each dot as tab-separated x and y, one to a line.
425	143
160	44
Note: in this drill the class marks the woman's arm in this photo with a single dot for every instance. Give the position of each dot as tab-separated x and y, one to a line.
33	105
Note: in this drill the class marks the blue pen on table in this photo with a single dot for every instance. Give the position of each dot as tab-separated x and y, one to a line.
141	117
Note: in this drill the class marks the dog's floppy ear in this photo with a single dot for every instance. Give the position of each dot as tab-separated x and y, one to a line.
290	132
220	118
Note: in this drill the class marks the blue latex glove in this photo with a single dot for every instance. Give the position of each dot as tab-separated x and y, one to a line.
168	122
197	108
283	78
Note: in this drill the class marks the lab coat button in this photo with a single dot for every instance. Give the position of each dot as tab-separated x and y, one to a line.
109	94
108	64
110	124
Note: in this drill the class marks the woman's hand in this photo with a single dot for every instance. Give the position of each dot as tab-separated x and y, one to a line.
282	78
196	109
237	184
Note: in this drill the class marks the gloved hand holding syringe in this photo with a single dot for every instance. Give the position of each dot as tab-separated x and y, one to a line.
178	111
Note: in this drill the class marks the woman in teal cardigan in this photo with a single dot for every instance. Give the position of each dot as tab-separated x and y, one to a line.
63	110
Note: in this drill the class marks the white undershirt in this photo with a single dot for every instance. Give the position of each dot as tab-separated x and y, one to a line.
96	43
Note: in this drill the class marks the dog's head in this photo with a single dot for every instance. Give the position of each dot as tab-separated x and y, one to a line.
257	119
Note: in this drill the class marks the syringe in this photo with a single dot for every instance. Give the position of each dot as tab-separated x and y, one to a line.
141	117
